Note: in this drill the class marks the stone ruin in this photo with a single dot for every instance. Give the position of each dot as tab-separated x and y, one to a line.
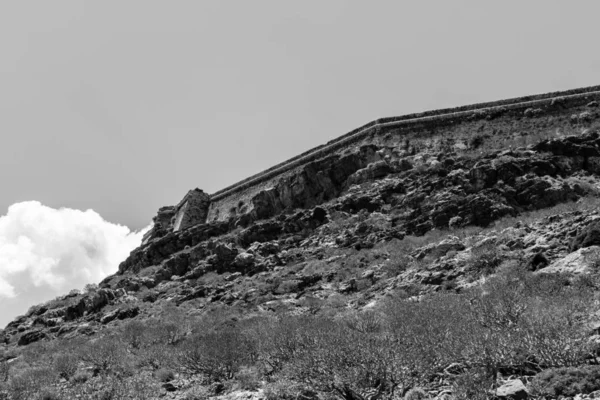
191	210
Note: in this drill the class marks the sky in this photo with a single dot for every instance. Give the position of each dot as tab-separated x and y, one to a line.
112	109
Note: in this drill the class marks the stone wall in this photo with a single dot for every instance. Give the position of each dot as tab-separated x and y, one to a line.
545	114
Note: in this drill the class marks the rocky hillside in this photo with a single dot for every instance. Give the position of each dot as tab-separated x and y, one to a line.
352	237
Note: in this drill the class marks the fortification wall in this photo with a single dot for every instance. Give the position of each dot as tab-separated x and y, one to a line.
517	116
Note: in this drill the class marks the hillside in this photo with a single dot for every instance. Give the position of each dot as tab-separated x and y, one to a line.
450	254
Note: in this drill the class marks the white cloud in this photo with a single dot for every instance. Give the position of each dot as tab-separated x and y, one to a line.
55	250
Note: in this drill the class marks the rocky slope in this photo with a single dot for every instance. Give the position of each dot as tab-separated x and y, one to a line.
350	230
342	205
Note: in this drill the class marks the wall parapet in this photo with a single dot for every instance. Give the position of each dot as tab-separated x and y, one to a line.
438	117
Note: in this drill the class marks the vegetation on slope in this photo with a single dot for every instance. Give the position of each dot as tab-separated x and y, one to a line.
516	323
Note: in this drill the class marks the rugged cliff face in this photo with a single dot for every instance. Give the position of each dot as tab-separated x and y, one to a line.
397	214
362	200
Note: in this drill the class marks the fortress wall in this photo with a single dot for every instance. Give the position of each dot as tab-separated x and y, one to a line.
507	117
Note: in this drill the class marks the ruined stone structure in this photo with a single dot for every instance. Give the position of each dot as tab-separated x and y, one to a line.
191	210
287	185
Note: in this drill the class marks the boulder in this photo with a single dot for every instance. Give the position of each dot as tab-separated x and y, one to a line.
244	260
111	316
436	250
264	249
537	261
96	300
371	172
244	395
514	389
582	261
31	336
589	236
233	277
169	387
85	329
75	311
543	191
177	264
224	253
120	313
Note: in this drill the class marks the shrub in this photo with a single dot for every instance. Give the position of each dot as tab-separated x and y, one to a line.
334	359
105	354
473	385
365	322
38	352
166	331
314	304
528	323
335	301
433	333
197	393
249	378
49	394
499	303
139	387
283	389
567	381
555	323
416	394
4	370
90	288
81	377
60	301
156	355
109	387
476	141
277	340
133	333
26	384
217	355
553	334
65	365
485	259
164	375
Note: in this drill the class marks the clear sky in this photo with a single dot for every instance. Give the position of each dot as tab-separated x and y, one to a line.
122	106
